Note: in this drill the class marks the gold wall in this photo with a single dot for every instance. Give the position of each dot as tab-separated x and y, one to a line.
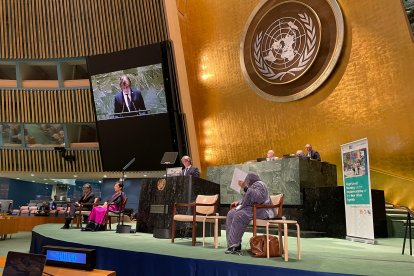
370	93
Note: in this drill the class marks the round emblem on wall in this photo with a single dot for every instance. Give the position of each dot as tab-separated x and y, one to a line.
161	184
289	48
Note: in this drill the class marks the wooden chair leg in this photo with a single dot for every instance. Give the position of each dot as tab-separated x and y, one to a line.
267	240
173	231
194	233
298	238
204	230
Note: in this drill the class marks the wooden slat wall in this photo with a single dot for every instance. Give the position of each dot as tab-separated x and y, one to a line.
46	106
41	29
28	160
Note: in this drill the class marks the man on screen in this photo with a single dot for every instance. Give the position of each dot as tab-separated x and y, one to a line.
128	99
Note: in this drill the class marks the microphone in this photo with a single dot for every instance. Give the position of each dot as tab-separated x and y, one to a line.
135	109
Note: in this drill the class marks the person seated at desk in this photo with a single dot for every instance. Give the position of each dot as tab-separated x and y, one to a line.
270	156
313	154
43	210
188	168
87	199
96	220
299	153
238	218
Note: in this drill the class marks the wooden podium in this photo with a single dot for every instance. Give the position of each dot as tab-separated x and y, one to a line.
158	197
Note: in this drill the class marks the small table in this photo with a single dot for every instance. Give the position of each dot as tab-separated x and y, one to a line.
283	245
212	219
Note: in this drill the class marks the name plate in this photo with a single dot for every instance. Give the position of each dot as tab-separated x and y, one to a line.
159	209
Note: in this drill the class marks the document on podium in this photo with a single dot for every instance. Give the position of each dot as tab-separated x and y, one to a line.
237	176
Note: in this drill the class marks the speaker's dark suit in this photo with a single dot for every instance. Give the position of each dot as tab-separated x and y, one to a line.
314	155
137	102
192	171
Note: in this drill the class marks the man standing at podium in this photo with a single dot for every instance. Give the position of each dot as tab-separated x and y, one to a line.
128	99
188	168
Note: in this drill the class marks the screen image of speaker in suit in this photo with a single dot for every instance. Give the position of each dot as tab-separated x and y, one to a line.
128	99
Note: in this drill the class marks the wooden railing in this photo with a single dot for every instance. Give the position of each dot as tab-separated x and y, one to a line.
46	106
75	28
49	160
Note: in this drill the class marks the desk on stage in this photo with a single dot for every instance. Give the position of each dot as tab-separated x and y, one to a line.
288	175
52	270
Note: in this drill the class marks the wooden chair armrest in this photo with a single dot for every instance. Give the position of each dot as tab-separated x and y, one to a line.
261	206
205	204
192	204
185	204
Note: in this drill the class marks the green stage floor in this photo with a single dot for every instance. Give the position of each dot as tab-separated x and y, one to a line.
318	254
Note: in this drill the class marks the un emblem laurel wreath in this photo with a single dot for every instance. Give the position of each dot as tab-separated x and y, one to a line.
303	60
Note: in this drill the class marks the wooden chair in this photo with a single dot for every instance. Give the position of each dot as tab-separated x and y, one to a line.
119	214
277	205
81	213
204	205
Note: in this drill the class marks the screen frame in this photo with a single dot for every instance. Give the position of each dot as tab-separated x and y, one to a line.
158	53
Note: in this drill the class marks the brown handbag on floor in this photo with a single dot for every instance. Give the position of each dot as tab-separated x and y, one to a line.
258	246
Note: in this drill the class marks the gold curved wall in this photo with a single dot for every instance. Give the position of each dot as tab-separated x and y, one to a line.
75	28
368	95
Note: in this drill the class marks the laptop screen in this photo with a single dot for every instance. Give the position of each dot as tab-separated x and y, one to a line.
23	264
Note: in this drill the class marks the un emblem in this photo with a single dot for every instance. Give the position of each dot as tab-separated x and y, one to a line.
289	47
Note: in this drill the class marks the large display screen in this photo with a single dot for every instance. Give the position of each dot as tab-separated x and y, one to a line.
137	107
130	92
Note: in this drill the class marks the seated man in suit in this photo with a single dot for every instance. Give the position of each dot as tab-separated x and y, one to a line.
271	156
43	210
313	154
87	198
188	168
128	99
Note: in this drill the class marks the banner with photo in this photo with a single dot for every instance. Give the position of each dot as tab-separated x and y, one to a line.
357	191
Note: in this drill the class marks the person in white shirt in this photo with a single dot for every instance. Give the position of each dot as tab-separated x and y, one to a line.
271	156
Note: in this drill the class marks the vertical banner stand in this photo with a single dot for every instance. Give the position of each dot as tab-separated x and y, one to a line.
357	191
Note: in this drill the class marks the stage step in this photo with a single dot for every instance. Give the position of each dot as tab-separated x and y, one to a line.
389	206
397	216
395	211
396	221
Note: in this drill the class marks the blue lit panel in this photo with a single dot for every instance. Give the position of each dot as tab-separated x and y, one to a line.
67	257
